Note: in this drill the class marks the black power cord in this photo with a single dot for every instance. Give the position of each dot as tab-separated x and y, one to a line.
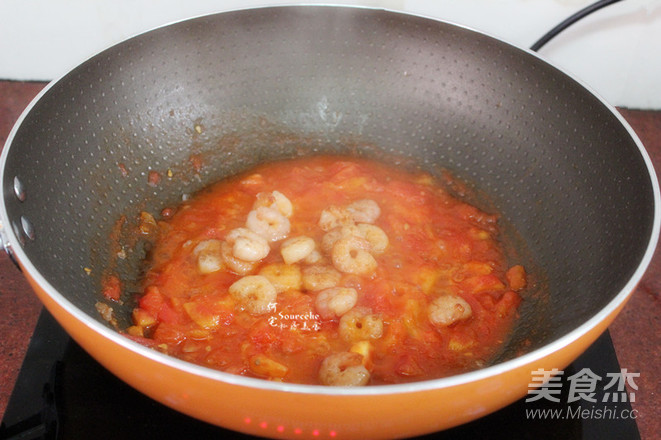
571	20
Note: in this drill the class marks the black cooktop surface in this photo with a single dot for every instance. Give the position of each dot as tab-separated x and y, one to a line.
63	394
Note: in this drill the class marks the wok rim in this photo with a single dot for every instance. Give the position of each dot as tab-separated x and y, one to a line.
9	238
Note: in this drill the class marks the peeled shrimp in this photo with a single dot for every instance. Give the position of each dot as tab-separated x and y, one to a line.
209	256
254	293
333	217
330	238
351	254
246	245
360	324
275	200
268	223
448	309
314	257
375	236
236	265
320	277
335	302
296	249
343	369
364	211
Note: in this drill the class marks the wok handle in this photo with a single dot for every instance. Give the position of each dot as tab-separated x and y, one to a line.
4	243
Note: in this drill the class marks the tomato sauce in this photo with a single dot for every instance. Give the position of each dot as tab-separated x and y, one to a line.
437	298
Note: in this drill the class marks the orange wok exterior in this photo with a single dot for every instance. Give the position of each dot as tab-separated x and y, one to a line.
285	411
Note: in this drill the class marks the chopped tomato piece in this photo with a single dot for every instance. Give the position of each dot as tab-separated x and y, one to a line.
483	283
152	301
111	287
516	277
263	366
508	304
408	366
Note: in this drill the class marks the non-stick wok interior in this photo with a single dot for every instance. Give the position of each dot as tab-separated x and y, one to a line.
239	88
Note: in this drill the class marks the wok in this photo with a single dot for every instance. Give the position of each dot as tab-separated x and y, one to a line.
239	88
